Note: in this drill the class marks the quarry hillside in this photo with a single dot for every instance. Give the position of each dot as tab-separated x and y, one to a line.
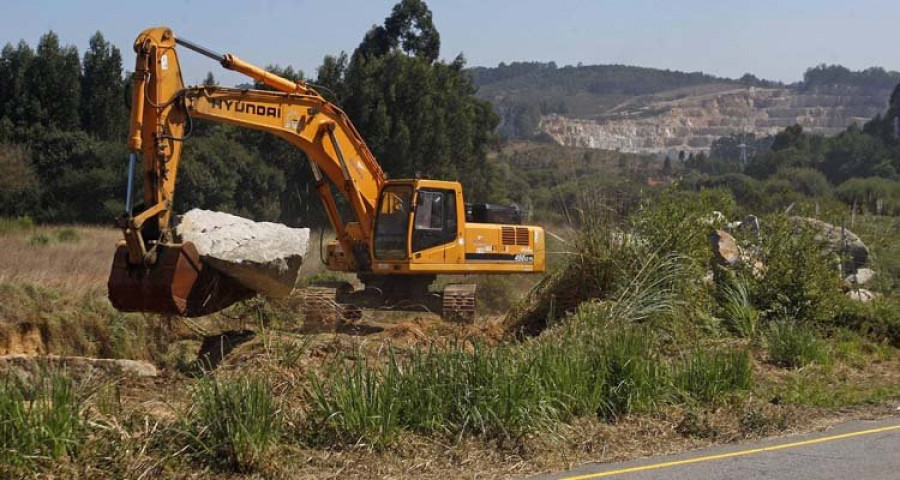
650	111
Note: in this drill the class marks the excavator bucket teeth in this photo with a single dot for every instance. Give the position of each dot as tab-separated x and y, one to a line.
177	284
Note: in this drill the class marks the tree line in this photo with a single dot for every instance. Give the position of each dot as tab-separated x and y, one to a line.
63	121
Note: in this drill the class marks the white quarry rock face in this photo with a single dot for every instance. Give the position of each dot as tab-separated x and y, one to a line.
263	256
667	124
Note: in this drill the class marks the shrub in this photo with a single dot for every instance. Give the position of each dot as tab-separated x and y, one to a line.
40	421
234	422
39	240
792	345
68	235
801	278
709	376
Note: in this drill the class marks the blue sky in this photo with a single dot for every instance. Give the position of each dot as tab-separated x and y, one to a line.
772	39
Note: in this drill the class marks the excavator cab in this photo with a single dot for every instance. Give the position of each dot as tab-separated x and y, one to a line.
416	222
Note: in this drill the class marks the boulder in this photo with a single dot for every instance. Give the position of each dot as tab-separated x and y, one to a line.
839	240
862	295
725	248
861	277
262	256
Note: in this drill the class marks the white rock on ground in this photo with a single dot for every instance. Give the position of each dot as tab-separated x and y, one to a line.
31	365
862	295
263	256
861	277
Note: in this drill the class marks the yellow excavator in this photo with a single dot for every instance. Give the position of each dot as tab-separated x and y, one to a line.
400	234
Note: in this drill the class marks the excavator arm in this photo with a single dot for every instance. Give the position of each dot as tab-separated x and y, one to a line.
163	111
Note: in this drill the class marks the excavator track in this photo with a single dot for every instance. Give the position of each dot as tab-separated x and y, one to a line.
459	303
321	309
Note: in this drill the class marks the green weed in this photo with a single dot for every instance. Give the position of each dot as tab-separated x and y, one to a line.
232	422
39	421
792	345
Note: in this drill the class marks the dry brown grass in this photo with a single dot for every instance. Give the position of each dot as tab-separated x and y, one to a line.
75	266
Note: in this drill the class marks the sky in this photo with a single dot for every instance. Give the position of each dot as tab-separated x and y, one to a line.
776	40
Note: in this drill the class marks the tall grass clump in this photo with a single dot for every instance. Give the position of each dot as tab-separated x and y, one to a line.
40	421
709	376
354	404
793	345
232	423
612	256
478	390
741	317
633	373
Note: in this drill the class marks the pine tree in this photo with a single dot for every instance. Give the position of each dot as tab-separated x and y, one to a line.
54	80
17	103
103	112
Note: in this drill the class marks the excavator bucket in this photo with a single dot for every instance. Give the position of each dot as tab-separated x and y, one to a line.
177	284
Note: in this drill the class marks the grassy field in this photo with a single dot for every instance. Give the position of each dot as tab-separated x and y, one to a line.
621	351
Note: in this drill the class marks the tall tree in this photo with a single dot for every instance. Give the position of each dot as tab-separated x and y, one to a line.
54	80
103	112
17	103
418	115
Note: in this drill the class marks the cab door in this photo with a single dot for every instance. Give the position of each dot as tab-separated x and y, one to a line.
435	226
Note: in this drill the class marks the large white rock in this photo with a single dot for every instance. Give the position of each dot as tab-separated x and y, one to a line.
263	256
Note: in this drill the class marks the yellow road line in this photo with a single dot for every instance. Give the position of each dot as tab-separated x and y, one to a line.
739	453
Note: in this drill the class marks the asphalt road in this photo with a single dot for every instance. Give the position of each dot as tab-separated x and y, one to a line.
859	450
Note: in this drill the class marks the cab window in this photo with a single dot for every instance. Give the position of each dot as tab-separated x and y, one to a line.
435	219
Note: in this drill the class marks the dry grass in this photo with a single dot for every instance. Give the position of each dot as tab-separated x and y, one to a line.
76	265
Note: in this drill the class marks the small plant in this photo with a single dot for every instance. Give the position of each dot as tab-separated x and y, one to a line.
233	422
709	376
39	240
792	345
40	421
741	317
68	235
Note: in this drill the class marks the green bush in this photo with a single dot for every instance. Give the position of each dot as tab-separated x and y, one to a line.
40	421
793	345
879	320
800	280
232	422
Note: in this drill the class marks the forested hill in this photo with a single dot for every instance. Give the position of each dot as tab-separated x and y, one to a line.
606	102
